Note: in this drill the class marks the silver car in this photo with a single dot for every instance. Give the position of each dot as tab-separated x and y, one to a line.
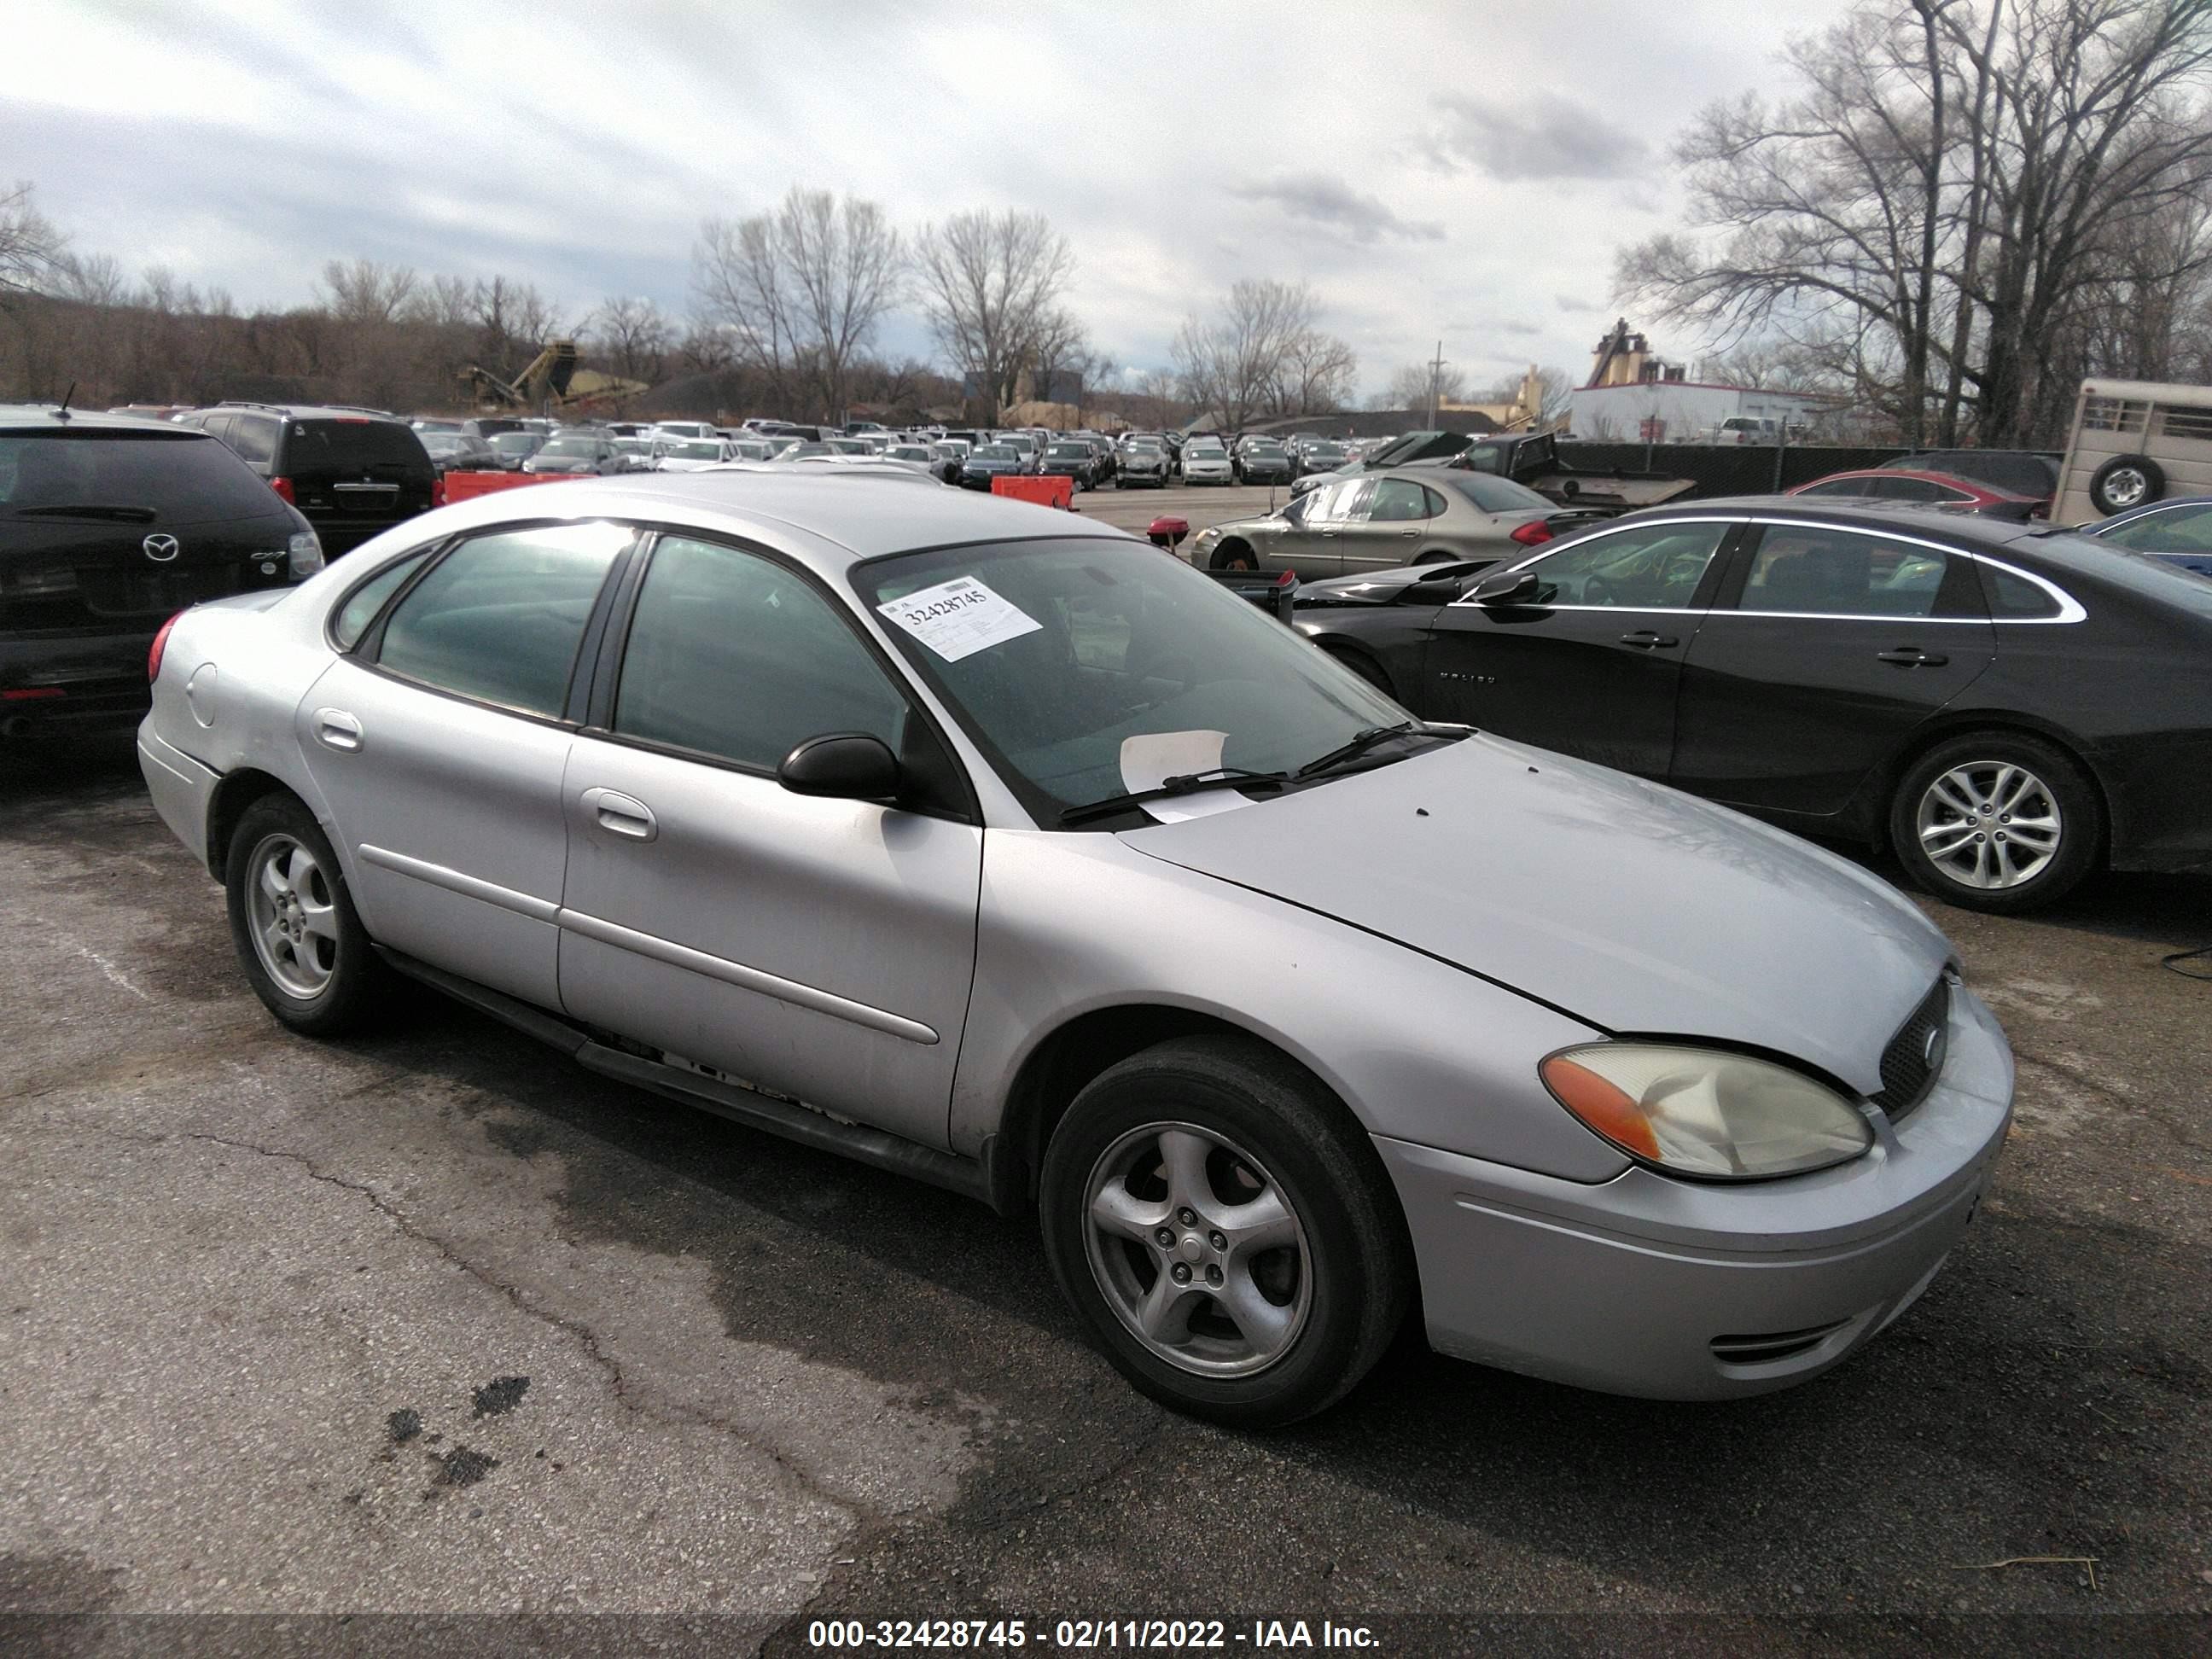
980	842
1383	521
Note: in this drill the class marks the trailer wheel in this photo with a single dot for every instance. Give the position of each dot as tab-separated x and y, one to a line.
2124	481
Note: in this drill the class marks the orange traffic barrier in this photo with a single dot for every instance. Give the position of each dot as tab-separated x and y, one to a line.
460	486
1045	492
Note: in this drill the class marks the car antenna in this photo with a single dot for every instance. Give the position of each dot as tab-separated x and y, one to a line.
62	413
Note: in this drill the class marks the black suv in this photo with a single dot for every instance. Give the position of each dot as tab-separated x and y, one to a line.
109	525
354	472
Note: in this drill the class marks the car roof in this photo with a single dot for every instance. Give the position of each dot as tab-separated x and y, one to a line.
829	517
1930	475
48	417
2145	510
1865	513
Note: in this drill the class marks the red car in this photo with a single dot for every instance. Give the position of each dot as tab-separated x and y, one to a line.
1944	489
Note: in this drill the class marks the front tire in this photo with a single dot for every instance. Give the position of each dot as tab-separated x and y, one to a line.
303	948
1285	1270
2125	481
1998	822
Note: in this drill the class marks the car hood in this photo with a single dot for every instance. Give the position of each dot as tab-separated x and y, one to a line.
1633	907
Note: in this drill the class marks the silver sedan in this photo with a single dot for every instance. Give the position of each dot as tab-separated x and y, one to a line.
983	844
1382	521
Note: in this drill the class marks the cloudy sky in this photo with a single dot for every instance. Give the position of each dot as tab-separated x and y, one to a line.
1457	170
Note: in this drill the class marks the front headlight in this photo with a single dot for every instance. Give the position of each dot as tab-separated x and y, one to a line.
303	555
1704	1112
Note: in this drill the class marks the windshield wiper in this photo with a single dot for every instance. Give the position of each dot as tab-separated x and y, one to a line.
1187	783
116	514
1364	741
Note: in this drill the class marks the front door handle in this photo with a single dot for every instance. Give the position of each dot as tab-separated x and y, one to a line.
620	815
1911	656
1644	639
1409	533
336	729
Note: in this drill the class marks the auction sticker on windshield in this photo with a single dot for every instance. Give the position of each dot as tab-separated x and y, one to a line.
958	618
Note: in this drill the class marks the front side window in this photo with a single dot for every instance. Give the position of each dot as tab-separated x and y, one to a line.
501	617
1814	570
1656	567
731	655
1088	645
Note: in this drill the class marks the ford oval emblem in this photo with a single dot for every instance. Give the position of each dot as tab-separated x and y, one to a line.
1932	1051
160	549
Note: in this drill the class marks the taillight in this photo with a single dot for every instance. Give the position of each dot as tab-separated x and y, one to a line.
1534	533
283	488
161	644
438	490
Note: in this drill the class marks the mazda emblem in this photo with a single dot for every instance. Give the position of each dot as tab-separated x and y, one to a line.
1932	1050
160	549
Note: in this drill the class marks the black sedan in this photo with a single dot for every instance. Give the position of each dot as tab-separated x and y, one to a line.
2006	706
1074	460
991	461
1262	460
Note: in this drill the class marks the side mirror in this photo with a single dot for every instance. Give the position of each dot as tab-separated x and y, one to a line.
1503	587
844	765
1434	590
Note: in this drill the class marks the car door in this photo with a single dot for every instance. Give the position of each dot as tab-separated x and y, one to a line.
1393	519
1315	547
1590	664
439	744
1827	648
819	949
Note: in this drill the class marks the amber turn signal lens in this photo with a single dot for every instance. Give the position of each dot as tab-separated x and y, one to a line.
1605	1108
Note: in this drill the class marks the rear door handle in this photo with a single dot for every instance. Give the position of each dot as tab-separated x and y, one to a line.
620	815
1911	656
336	729
1644	639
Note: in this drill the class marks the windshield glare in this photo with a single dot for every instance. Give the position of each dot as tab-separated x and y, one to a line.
1125	644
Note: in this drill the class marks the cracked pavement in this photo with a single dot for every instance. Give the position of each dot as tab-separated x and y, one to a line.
435	1322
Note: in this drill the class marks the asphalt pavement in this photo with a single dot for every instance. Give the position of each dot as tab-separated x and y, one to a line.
434	1323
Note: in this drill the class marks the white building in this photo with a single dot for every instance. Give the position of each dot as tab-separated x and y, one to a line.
1688	412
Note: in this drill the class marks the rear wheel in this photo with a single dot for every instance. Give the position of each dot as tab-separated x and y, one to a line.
1232	1244
1435	556
1997	820
304	949
1236	555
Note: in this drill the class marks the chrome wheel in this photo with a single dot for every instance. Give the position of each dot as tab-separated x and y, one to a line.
1990	825
293	917
2125	486
1197	1250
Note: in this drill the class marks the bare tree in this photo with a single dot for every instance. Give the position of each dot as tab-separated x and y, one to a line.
362	291
634	336
1232	366
986	282
31	246
1413	386
801	290
1941	196
1316	375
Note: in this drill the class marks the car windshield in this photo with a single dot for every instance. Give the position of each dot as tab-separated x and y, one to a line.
698	452
1324	452
1069	452
1495	495
994	453
516	443
583	448
1207	452
1082	666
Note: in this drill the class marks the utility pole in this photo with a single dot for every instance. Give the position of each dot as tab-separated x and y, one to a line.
1436	383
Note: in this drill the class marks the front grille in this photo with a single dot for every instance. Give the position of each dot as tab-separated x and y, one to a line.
1906	1076
1767	1347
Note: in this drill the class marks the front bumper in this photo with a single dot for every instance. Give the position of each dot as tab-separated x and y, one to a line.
182	788
1671	1290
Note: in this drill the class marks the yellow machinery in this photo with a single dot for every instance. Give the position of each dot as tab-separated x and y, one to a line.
551	381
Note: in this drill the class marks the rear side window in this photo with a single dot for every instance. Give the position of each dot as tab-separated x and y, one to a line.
254	439
2015	599
182	479
1495	495
361	606
1814	570
1397	499
501	617
734	656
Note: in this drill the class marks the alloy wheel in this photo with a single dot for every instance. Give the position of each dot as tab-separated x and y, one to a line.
1197	1249
293	919
2125	486
1990	825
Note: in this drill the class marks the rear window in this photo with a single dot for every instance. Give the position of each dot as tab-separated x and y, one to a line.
178	478
349	443
1494	495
